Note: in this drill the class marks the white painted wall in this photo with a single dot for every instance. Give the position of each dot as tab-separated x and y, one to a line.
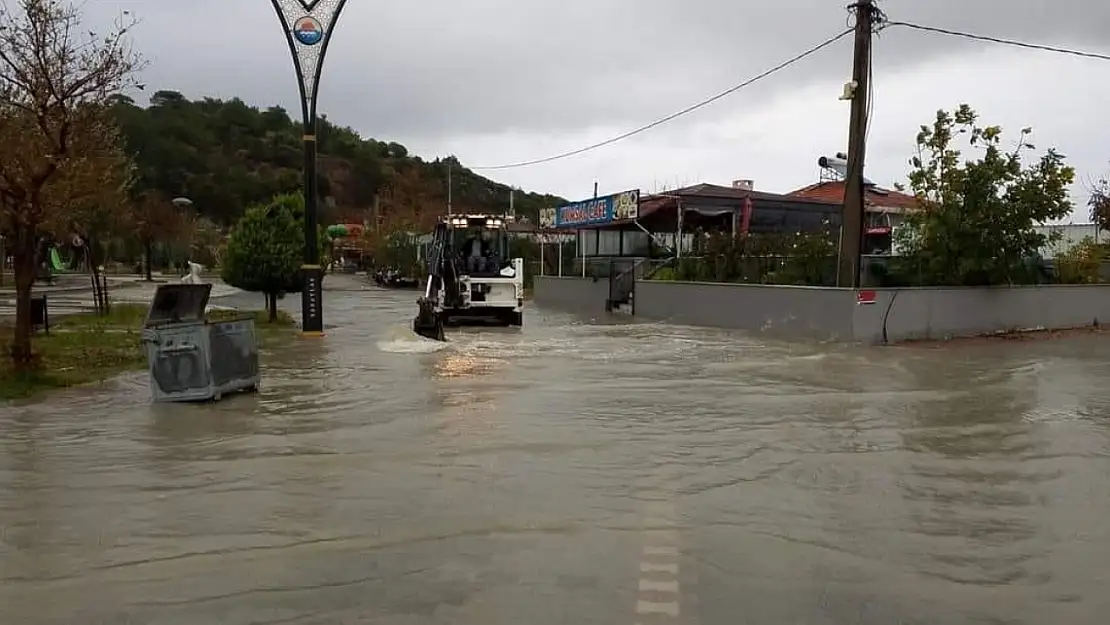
1071	234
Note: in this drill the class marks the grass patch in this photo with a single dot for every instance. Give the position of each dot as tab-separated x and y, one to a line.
87	348
266	331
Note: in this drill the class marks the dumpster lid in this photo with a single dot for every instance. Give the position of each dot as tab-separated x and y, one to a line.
178	303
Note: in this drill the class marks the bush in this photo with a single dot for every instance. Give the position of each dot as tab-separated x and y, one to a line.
1080	263
665	274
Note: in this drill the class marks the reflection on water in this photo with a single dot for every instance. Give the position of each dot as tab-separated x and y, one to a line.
495	478
970	485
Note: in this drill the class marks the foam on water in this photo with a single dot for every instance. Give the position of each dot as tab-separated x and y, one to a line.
402	340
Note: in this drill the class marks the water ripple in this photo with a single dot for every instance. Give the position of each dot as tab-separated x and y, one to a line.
376	464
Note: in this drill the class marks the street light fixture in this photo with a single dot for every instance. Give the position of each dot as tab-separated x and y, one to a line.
308	25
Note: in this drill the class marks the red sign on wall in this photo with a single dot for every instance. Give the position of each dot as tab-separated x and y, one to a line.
865	297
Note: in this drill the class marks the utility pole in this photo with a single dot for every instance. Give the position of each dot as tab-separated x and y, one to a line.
851	231
449	186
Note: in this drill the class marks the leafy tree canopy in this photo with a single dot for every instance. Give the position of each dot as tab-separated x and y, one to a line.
226	155
978	217
1099	204
266	249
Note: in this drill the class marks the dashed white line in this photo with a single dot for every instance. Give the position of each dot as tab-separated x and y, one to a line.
656	567
669	608
652	585
659	589
661	550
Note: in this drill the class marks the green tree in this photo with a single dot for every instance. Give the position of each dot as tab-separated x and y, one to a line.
399	250
977	220
1099	204
265	250
226	155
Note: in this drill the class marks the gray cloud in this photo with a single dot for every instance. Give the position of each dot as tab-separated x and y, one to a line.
413	71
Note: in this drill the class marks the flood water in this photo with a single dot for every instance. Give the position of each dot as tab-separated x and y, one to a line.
572	473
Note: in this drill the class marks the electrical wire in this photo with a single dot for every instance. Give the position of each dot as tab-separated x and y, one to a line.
675	115
1008	42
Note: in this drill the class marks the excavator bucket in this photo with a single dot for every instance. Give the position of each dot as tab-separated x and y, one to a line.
427	323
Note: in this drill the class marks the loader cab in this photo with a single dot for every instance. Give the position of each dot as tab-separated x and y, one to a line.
480	243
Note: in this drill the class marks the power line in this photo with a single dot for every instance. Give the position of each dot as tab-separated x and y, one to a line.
1008	42
689	109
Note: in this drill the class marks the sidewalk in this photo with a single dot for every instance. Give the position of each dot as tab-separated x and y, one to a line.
76	283
73	300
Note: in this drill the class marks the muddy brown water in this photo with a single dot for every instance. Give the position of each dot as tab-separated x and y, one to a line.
572	473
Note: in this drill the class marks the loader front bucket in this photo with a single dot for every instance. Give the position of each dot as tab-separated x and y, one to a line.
428	323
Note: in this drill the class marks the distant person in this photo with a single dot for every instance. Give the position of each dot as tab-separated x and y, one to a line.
474	249
489	252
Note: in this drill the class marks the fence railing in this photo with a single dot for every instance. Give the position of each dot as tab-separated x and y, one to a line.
877	270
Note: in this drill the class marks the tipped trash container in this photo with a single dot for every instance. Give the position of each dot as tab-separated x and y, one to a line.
192	358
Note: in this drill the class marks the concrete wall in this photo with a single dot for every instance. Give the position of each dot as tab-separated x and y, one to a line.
940	313
835	314
584	296
809	312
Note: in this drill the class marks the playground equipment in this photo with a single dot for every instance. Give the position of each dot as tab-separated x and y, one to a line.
56	264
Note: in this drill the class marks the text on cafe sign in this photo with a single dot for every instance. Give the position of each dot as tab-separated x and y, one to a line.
585	212
602	210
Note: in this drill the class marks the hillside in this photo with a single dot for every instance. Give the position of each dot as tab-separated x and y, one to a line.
226	155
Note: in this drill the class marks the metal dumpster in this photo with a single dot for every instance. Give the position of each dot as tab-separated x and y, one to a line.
194	359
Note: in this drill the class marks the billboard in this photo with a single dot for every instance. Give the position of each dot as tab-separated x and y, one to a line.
547	217
595	212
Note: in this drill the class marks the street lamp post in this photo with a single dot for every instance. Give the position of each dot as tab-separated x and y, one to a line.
308	25
183	203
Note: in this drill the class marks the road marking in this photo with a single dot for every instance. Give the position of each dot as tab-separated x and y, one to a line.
666	537
669	608
661	550
659	584
653	585
655	567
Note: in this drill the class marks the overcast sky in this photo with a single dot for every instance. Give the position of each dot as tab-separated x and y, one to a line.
501	81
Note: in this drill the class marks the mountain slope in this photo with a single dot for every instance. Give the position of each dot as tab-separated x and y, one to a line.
226	155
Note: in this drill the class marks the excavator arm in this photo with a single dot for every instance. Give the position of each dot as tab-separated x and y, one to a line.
441	288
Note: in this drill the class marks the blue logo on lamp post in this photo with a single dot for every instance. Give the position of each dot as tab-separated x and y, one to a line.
308	31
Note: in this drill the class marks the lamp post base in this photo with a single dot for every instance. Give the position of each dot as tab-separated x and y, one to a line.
312	313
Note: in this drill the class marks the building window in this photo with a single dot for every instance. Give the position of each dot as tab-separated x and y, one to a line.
609	243
587	242
637	243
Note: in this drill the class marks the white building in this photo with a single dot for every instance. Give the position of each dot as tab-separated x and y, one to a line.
1070	235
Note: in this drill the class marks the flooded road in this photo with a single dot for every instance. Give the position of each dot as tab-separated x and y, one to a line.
572	474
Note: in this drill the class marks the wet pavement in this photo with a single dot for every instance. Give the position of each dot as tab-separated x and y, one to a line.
571	473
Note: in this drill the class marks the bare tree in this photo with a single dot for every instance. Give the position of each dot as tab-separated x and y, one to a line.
155	219
56	81
91	200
